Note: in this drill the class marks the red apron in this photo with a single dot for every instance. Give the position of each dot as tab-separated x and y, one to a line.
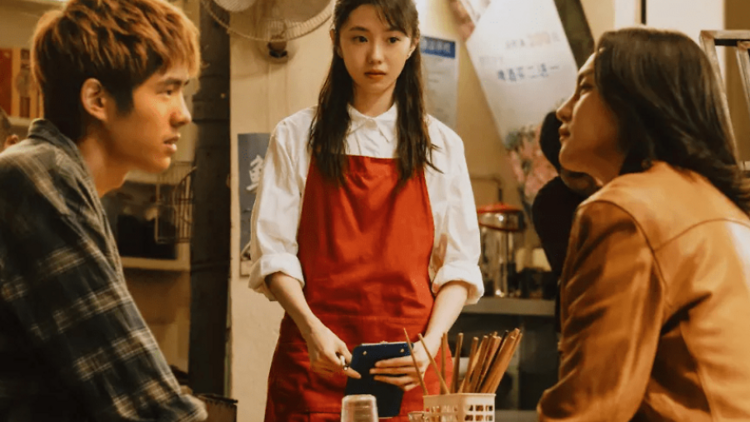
364	249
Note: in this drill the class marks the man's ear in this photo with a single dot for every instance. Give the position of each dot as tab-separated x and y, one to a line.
94	99
10	141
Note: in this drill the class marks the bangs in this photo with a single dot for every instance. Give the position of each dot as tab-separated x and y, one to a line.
394	14
400	15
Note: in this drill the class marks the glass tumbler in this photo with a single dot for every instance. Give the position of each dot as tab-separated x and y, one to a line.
359	408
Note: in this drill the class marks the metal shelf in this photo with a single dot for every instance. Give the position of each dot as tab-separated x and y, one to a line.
512	306
19	122
138	176
182	263
154	264
516	416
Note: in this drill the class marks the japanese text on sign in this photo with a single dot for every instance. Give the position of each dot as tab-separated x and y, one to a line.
256	168
438	47
516	74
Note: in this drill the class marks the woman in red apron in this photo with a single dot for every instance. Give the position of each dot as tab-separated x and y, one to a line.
364	221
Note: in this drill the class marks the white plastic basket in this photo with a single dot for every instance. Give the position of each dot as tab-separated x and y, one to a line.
465	407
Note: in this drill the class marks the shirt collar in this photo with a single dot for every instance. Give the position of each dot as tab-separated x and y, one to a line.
46	131
386	122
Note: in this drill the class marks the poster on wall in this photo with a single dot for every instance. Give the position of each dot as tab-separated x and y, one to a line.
475	8
251	151
440	73
526	69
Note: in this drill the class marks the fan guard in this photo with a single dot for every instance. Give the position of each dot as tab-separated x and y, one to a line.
270	20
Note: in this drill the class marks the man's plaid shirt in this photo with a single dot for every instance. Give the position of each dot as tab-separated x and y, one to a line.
73	345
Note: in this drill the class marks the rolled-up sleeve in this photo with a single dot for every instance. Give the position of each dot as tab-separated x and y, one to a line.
275	218
611	314
459	240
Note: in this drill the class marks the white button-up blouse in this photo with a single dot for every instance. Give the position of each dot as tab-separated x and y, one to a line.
276	213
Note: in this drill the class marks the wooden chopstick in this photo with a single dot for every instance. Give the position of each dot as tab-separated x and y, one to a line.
488	362
456	362
443	387
416	366
496	382
483	349
472	362
491	354
443	352
501	363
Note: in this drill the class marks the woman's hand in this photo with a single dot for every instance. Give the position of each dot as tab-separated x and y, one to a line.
325	350
401	371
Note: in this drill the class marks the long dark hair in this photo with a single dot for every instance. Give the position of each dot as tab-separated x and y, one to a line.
668	104
331	123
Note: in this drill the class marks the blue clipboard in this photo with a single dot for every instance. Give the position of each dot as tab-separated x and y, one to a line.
364	357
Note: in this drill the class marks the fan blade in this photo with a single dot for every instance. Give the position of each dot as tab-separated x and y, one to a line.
235	5
301	11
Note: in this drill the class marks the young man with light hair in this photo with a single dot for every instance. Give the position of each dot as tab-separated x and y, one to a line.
73	345
7	137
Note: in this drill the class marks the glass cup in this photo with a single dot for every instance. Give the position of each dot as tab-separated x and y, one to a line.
359	408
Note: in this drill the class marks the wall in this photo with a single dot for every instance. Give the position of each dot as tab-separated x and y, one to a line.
604	15
600	14
262	93
17	22
673	14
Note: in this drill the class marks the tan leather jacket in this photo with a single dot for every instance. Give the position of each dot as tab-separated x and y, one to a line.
655	305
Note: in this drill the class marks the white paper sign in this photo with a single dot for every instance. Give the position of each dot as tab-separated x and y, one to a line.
440	73
523	60
476	8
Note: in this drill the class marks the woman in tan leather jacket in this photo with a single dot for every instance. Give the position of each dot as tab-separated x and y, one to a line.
655	292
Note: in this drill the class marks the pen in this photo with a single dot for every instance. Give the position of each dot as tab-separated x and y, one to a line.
344	365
